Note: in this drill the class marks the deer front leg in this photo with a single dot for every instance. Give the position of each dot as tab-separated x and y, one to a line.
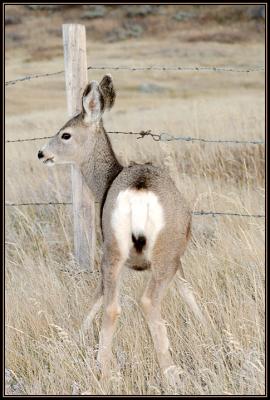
112	309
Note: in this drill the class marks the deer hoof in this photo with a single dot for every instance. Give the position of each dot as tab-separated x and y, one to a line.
173	375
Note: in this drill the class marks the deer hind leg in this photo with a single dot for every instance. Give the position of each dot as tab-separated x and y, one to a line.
151	305
111	267
187	293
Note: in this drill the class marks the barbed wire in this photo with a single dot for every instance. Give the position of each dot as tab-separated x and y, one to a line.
181	68
30	77
212	213
166	137
149	68
51	203
28	139
162	137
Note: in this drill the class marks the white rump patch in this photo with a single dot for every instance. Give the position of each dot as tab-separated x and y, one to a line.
137	212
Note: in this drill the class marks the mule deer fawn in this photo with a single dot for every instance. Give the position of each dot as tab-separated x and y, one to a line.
145	221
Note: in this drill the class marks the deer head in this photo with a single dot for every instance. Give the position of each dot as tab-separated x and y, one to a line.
75	141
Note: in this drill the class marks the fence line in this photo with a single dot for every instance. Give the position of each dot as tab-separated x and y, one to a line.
149	68
75	77
167	137
27	140
212	213
51	203
162	137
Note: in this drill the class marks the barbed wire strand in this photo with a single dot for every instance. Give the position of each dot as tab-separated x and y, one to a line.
28	139
30	77
162	137
149	68
166	137
51	203
212	213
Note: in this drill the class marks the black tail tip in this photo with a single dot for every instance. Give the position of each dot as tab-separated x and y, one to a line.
139	242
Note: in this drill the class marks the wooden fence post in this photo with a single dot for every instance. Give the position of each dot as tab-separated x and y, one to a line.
74	39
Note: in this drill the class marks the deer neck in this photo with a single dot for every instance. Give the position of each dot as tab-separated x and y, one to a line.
102	167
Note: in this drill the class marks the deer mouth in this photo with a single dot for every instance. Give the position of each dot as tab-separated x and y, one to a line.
49	161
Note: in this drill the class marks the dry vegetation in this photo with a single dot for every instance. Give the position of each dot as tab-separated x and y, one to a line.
47	296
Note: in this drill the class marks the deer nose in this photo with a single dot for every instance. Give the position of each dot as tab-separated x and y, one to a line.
40	154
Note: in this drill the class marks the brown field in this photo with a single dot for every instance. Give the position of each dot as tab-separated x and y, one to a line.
47	296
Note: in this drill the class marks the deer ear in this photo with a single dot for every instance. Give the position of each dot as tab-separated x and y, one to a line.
108	91
92	102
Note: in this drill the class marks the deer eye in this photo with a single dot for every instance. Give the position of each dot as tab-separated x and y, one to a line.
66	136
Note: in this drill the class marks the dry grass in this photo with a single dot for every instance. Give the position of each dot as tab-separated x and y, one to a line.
47	299
47	296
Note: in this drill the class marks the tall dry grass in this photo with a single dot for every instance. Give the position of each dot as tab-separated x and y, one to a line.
47	296
47	299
